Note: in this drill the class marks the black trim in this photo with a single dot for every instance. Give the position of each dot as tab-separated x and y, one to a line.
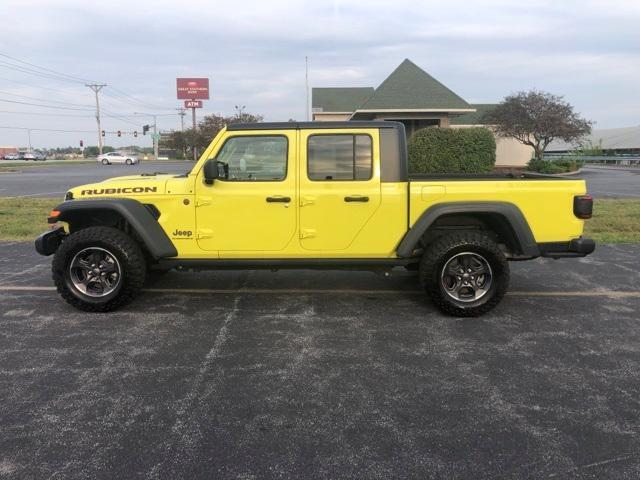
578	247
135	213
393	155
48	242
356	198
309	125
278	199
283	263
526	241
487	176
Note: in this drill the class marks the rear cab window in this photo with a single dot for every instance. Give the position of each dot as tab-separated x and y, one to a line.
335	157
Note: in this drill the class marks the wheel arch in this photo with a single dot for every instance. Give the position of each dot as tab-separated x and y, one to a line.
121	213
504	219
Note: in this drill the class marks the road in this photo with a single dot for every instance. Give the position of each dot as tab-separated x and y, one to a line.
612	182
54	181
323	375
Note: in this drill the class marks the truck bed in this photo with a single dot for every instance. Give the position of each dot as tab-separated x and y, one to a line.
539	198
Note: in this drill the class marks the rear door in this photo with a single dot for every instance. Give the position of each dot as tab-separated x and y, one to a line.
339	186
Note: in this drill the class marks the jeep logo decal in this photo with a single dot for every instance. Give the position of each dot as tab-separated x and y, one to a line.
182	233
111	191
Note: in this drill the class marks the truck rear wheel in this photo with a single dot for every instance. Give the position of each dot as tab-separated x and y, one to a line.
465	274
98	269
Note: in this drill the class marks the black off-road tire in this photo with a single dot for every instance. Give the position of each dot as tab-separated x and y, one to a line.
446	247
123	247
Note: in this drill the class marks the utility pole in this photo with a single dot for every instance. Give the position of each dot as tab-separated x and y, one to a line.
306	78
182	112
96	87
29	134
155	138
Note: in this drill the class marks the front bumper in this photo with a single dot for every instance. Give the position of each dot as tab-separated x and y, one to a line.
48	242
578	247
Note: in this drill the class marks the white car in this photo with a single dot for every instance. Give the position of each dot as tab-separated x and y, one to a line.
117	157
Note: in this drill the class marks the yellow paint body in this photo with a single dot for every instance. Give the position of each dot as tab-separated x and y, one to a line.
233	219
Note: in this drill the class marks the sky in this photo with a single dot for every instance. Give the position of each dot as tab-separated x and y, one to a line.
254	52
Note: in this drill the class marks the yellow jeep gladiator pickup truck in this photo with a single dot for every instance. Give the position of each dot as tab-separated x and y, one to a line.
313	195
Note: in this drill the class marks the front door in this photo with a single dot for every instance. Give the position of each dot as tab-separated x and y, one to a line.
254	208
339	187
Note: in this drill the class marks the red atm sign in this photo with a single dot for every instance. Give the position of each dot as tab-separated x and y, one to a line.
193	88
193	104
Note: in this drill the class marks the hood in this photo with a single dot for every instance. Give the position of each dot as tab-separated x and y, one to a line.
129	186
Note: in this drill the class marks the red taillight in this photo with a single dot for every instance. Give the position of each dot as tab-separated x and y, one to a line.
583	206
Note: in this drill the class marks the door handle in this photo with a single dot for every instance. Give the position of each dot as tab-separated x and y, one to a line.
278	199
356	198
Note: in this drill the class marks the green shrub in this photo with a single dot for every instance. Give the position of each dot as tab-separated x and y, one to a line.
560	165
452	150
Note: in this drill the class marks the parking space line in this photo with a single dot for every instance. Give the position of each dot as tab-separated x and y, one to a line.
344	291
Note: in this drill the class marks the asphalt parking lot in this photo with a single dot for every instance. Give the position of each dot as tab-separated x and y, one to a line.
612	182
301	374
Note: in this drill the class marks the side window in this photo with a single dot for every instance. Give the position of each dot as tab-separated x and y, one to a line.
254	158
339	157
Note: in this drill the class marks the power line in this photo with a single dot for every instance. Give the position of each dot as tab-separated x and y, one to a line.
46	114
44	106
71	77
45	100
131	98
47	129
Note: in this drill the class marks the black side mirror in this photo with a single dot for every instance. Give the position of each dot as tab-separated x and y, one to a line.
213	170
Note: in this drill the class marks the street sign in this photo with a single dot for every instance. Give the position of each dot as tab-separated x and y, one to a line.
193	104
193	88
155	136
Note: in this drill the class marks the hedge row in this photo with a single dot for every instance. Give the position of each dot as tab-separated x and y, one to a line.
452	150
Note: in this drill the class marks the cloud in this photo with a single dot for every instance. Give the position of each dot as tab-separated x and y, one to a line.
254	51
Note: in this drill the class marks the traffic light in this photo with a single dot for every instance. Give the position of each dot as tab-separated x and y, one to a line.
81	143
119	133
135	133
103	133
145	129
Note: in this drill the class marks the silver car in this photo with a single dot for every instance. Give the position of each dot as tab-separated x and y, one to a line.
117	157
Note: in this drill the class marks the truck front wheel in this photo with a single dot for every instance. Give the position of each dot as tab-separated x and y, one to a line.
98	269
465	274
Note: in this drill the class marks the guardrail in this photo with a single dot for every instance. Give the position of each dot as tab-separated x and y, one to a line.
630	161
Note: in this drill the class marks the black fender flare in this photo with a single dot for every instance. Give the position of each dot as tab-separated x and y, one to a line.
524	236
135	213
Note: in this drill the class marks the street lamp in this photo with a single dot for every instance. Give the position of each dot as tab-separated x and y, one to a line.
240	112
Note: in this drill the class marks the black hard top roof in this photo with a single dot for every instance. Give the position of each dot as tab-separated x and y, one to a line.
311	125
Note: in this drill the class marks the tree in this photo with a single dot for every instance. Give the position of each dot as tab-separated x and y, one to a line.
206	130
536	118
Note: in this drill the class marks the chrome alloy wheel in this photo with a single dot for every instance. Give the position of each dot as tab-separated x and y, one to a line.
95	272
466	277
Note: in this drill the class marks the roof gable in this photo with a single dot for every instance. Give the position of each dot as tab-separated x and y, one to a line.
410	87
339	99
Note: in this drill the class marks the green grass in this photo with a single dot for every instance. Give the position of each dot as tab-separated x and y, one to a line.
614	221
23	219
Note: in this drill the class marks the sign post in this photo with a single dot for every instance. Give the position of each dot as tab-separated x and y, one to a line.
193	91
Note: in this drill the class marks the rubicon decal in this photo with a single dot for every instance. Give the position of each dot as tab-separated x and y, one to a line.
111	191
